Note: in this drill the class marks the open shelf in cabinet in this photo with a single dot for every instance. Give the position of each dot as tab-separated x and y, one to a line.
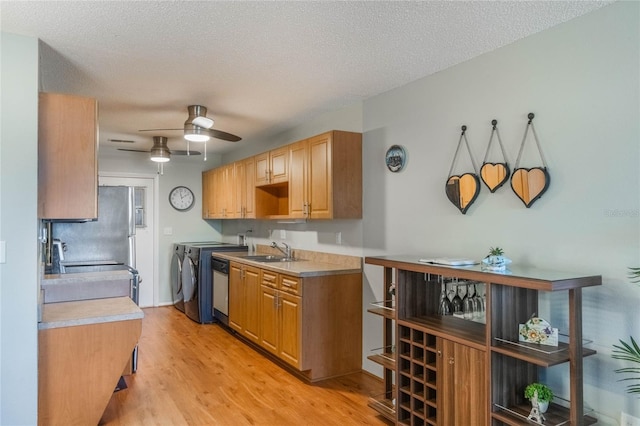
420	294
384	405
556	415
532	353
384	308
385	356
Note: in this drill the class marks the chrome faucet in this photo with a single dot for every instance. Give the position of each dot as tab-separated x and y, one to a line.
286	251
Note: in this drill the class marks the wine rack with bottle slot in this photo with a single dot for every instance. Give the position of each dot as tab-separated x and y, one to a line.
456	369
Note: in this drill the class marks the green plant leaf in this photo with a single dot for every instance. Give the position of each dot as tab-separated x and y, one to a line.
628	352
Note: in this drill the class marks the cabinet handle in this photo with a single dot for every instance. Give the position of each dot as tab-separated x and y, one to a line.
439	353
451	361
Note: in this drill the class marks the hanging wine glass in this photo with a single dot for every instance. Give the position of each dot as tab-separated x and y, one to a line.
467	305
445	304
456	303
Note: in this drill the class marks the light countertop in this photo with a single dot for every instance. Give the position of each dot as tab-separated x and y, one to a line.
83	312
299	268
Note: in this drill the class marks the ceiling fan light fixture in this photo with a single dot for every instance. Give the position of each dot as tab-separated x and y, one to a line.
160	151
195	134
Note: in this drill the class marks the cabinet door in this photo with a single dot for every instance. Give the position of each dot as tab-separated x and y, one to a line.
261	169
252	302
67	157
461	385
249	191
269	323
208	194
278	165
236	297
239	176
290	330
470	385
320	178
298	179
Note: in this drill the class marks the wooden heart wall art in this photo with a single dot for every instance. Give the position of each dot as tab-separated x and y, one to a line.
494	175
530	184
463	189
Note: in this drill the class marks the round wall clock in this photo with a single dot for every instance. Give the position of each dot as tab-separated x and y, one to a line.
395	158
181	198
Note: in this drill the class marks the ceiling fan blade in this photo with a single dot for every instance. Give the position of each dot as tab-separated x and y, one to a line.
133	150
184	152
219	134
156	130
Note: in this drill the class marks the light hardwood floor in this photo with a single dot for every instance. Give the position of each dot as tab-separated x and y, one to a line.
193	374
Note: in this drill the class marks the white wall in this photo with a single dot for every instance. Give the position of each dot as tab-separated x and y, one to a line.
19	229
581	79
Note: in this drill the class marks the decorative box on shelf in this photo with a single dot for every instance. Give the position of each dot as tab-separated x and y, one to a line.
538	330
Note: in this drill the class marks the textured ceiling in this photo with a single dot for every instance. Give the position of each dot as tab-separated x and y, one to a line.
259	67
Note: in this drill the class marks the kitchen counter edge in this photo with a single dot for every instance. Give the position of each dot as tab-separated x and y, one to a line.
85	312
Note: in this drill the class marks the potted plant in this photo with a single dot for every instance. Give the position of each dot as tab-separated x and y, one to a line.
545	395
630	351
495	260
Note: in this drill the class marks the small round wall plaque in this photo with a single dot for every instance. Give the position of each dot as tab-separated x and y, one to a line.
395	158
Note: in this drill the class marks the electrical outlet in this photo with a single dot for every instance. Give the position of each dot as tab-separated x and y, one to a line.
339	238
283	234
629	420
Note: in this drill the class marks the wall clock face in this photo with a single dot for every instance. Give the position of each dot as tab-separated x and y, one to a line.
395	158
181	198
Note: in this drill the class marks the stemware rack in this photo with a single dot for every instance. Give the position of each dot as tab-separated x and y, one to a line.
484	359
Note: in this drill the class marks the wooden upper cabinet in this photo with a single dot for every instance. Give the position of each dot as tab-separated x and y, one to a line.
208	196
271	167
325	176
244	184
298	179
67	157
316	178
248	194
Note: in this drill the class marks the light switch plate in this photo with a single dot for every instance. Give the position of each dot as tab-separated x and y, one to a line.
283	234
3	252
168	231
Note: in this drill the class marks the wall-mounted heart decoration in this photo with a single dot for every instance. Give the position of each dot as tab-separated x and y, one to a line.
530	184
494	175
463	190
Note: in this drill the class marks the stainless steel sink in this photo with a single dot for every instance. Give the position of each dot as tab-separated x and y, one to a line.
270	258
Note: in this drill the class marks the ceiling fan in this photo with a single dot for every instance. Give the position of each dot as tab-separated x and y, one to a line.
160	152
198	127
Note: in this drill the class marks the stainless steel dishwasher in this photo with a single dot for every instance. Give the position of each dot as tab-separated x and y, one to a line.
220	289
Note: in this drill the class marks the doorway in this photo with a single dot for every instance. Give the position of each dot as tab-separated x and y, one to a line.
145	231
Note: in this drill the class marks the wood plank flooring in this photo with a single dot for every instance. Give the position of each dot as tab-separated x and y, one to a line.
193	374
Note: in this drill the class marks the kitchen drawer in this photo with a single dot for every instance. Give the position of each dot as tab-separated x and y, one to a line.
290	284
270	279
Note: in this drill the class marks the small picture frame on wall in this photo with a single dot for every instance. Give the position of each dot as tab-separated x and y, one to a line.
395	158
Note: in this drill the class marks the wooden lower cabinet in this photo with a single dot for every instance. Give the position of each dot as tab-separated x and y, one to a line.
313	324
244	300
